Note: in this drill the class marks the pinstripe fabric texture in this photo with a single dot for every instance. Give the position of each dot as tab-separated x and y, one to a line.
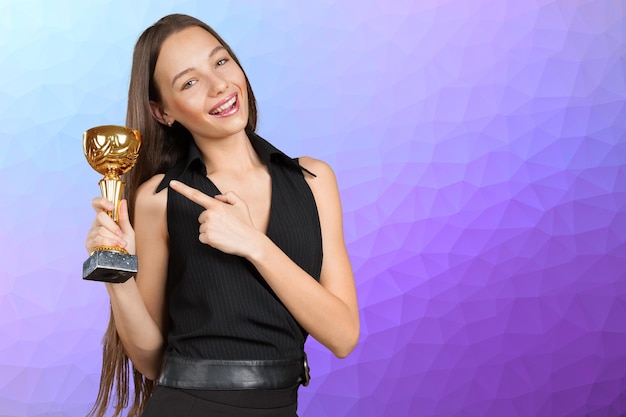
220	306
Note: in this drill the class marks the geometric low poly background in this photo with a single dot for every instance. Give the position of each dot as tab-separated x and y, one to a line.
480	149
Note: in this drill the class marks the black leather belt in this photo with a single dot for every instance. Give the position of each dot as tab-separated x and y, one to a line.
211	374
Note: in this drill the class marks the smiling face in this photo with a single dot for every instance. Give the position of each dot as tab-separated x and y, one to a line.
200	86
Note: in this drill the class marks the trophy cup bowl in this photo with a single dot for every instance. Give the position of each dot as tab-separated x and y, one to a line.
111	151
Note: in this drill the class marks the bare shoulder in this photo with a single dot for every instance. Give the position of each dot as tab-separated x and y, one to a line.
323	185
328	201
150	215
324	174
148	200
314	164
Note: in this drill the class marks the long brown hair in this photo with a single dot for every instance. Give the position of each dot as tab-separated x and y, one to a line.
162	147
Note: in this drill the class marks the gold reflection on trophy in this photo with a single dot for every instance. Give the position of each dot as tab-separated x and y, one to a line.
112	151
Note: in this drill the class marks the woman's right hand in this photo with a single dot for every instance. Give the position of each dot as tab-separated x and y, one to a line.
105	232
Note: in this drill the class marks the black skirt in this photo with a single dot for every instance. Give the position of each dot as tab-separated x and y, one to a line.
177	402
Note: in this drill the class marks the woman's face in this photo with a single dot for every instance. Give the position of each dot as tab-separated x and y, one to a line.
201	86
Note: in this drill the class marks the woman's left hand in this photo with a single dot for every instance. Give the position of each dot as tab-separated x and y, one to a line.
225	224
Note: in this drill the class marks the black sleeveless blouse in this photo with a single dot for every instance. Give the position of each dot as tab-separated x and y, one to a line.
220	306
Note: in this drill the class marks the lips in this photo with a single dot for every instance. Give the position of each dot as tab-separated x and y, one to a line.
226	107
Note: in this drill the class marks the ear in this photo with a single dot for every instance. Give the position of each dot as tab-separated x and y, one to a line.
159	113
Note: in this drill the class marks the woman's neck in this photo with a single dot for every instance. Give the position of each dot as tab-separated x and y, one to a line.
230	154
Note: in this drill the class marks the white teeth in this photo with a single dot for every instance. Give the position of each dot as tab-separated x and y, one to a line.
225	106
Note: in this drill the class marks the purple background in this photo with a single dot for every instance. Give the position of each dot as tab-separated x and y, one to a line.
479	147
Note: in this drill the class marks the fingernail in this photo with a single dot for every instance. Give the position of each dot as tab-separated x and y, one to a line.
173	183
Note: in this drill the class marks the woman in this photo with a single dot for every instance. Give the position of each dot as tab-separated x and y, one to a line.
229	233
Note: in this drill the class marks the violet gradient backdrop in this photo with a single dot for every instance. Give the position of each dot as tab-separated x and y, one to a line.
479	147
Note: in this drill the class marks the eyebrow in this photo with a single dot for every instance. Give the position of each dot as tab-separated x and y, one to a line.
185	71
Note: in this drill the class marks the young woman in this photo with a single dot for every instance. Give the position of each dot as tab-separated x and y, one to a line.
241	249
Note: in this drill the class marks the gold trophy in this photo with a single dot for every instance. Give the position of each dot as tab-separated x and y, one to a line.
112	151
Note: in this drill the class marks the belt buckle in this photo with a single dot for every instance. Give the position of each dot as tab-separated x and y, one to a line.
307	371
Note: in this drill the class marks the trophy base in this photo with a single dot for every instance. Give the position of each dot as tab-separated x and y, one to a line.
109	266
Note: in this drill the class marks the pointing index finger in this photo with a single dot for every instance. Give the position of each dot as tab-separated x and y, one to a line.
192	194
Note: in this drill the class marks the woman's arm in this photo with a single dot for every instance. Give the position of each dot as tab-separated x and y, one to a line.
138	305
329	311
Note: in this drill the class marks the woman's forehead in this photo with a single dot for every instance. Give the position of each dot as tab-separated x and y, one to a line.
189	39
184	48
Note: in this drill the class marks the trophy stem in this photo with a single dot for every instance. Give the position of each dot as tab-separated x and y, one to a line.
112	189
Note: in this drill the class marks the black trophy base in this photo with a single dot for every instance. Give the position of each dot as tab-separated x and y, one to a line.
109	266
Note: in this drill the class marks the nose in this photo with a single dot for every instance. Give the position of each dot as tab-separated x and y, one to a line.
217	85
